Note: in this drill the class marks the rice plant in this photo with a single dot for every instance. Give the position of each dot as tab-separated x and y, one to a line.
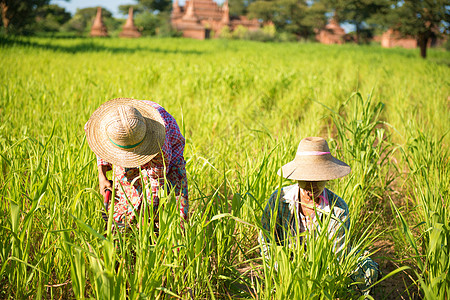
243	107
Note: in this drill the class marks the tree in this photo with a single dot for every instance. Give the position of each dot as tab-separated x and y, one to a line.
239	7
422	19
16	15
156	5
51	18
264	10
357	12
292	16
136	8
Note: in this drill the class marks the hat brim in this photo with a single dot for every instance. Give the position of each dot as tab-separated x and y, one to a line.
131	158
323	170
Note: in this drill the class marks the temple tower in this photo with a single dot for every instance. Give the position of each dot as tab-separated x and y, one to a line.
176	10
99	28
129	29
189	16
226	13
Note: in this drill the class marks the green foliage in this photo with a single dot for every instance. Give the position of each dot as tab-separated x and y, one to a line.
225	32
265	34
124	9
295	17
363	139
419	18
51	18
17	15
238	7
146	22
156	5
429	188
361	13
239	32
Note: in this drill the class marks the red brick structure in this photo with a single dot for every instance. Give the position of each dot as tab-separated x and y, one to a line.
99	28
203	19
331	34
393	38
129	30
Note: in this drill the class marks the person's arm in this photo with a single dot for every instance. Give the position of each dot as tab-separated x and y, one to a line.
177	177
265	223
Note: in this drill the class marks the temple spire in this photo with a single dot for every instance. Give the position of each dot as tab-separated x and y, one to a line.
129	29
99	28
226	13
176	7
189	11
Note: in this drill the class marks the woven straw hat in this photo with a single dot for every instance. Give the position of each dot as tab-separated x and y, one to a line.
126	132
313	162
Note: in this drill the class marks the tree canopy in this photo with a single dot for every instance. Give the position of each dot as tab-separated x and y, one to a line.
16	15
422	19
360	13
294	16
50	18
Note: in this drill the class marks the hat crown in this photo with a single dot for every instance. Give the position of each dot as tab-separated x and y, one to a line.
125	127
314	162
313	144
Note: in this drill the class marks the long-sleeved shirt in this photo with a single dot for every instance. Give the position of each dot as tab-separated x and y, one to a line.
169	163
285	227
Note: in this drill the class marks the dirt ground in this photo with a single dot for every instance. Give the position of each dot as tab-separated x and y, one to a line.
399	286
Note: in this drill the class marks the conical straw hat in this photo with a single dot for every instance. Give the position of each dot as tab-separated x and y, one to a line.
126	132
314	162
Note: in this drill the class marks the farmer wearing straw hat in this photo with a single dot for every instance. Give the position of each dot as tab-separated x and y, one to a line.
130	135
307	200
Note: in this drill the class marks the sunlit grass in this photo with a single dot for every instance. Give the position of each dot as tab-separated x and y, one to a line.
243	108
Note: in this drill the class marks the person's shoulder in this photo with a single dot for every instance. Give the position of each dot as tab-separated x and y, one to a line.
283	191
337	201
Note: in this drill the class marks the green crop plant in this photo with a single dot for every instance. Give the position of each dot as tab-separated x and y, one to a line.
428	188
243	107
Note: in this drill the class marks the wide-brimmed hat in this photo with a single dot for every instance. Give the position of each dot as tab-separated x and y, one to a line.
126	132
314	162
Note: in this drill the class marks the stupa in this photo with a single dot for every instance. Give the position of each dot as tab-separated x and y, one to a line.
99	28
332	34
129	29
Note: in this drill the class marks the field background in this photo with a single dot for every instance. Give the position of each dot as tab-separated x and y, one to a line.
243	108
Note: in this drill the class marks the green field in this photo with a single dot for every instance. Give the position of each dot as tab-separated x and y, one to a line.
243	108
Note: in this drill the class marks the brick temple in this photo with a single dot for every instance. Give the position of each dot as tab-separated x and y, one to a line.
204	19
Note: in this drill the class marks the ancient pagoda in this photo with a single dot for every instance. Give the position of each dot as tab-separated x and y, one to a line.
99	28
332	33
129	30
203	19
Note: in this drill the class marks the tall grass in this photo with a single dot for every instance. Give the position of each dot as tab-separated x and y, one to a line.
243	107
428	189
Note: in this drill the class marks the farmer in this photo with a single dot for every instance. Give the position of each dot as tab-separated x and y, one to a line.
132	136
312	167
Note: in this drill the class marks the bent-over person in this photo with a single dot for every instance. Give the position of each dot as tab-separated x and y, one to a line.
129	135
